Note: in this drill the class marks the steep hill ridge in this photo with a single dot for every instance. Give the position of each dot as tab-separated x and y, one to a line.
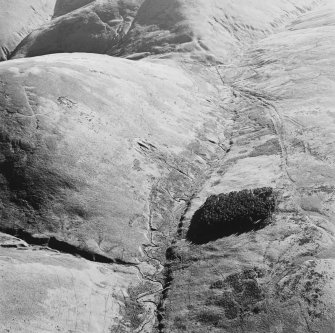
205	28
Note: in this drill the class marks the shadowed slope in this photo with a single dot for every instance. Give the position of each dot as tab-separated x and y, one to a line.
96	28
66	6
207	29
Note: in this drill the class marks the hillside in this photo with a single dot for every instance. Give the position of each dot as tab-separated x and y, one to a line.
131	130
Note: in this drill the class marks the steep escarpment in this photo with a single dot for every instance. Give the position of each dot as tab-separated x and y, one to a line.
196	174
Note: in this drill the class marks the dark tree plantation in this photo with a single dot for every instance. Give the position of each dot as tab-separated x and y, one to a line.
231	213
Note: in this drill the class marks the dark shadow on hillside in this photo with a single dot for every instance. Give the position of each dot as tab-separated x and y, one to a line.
53	243
65	6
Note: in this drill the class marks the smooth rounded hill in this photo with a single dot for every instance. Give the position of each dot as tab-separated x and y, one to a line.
84	138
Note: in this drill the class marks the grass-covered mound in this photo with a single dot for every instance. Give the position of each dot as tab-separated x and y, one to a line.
232	213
